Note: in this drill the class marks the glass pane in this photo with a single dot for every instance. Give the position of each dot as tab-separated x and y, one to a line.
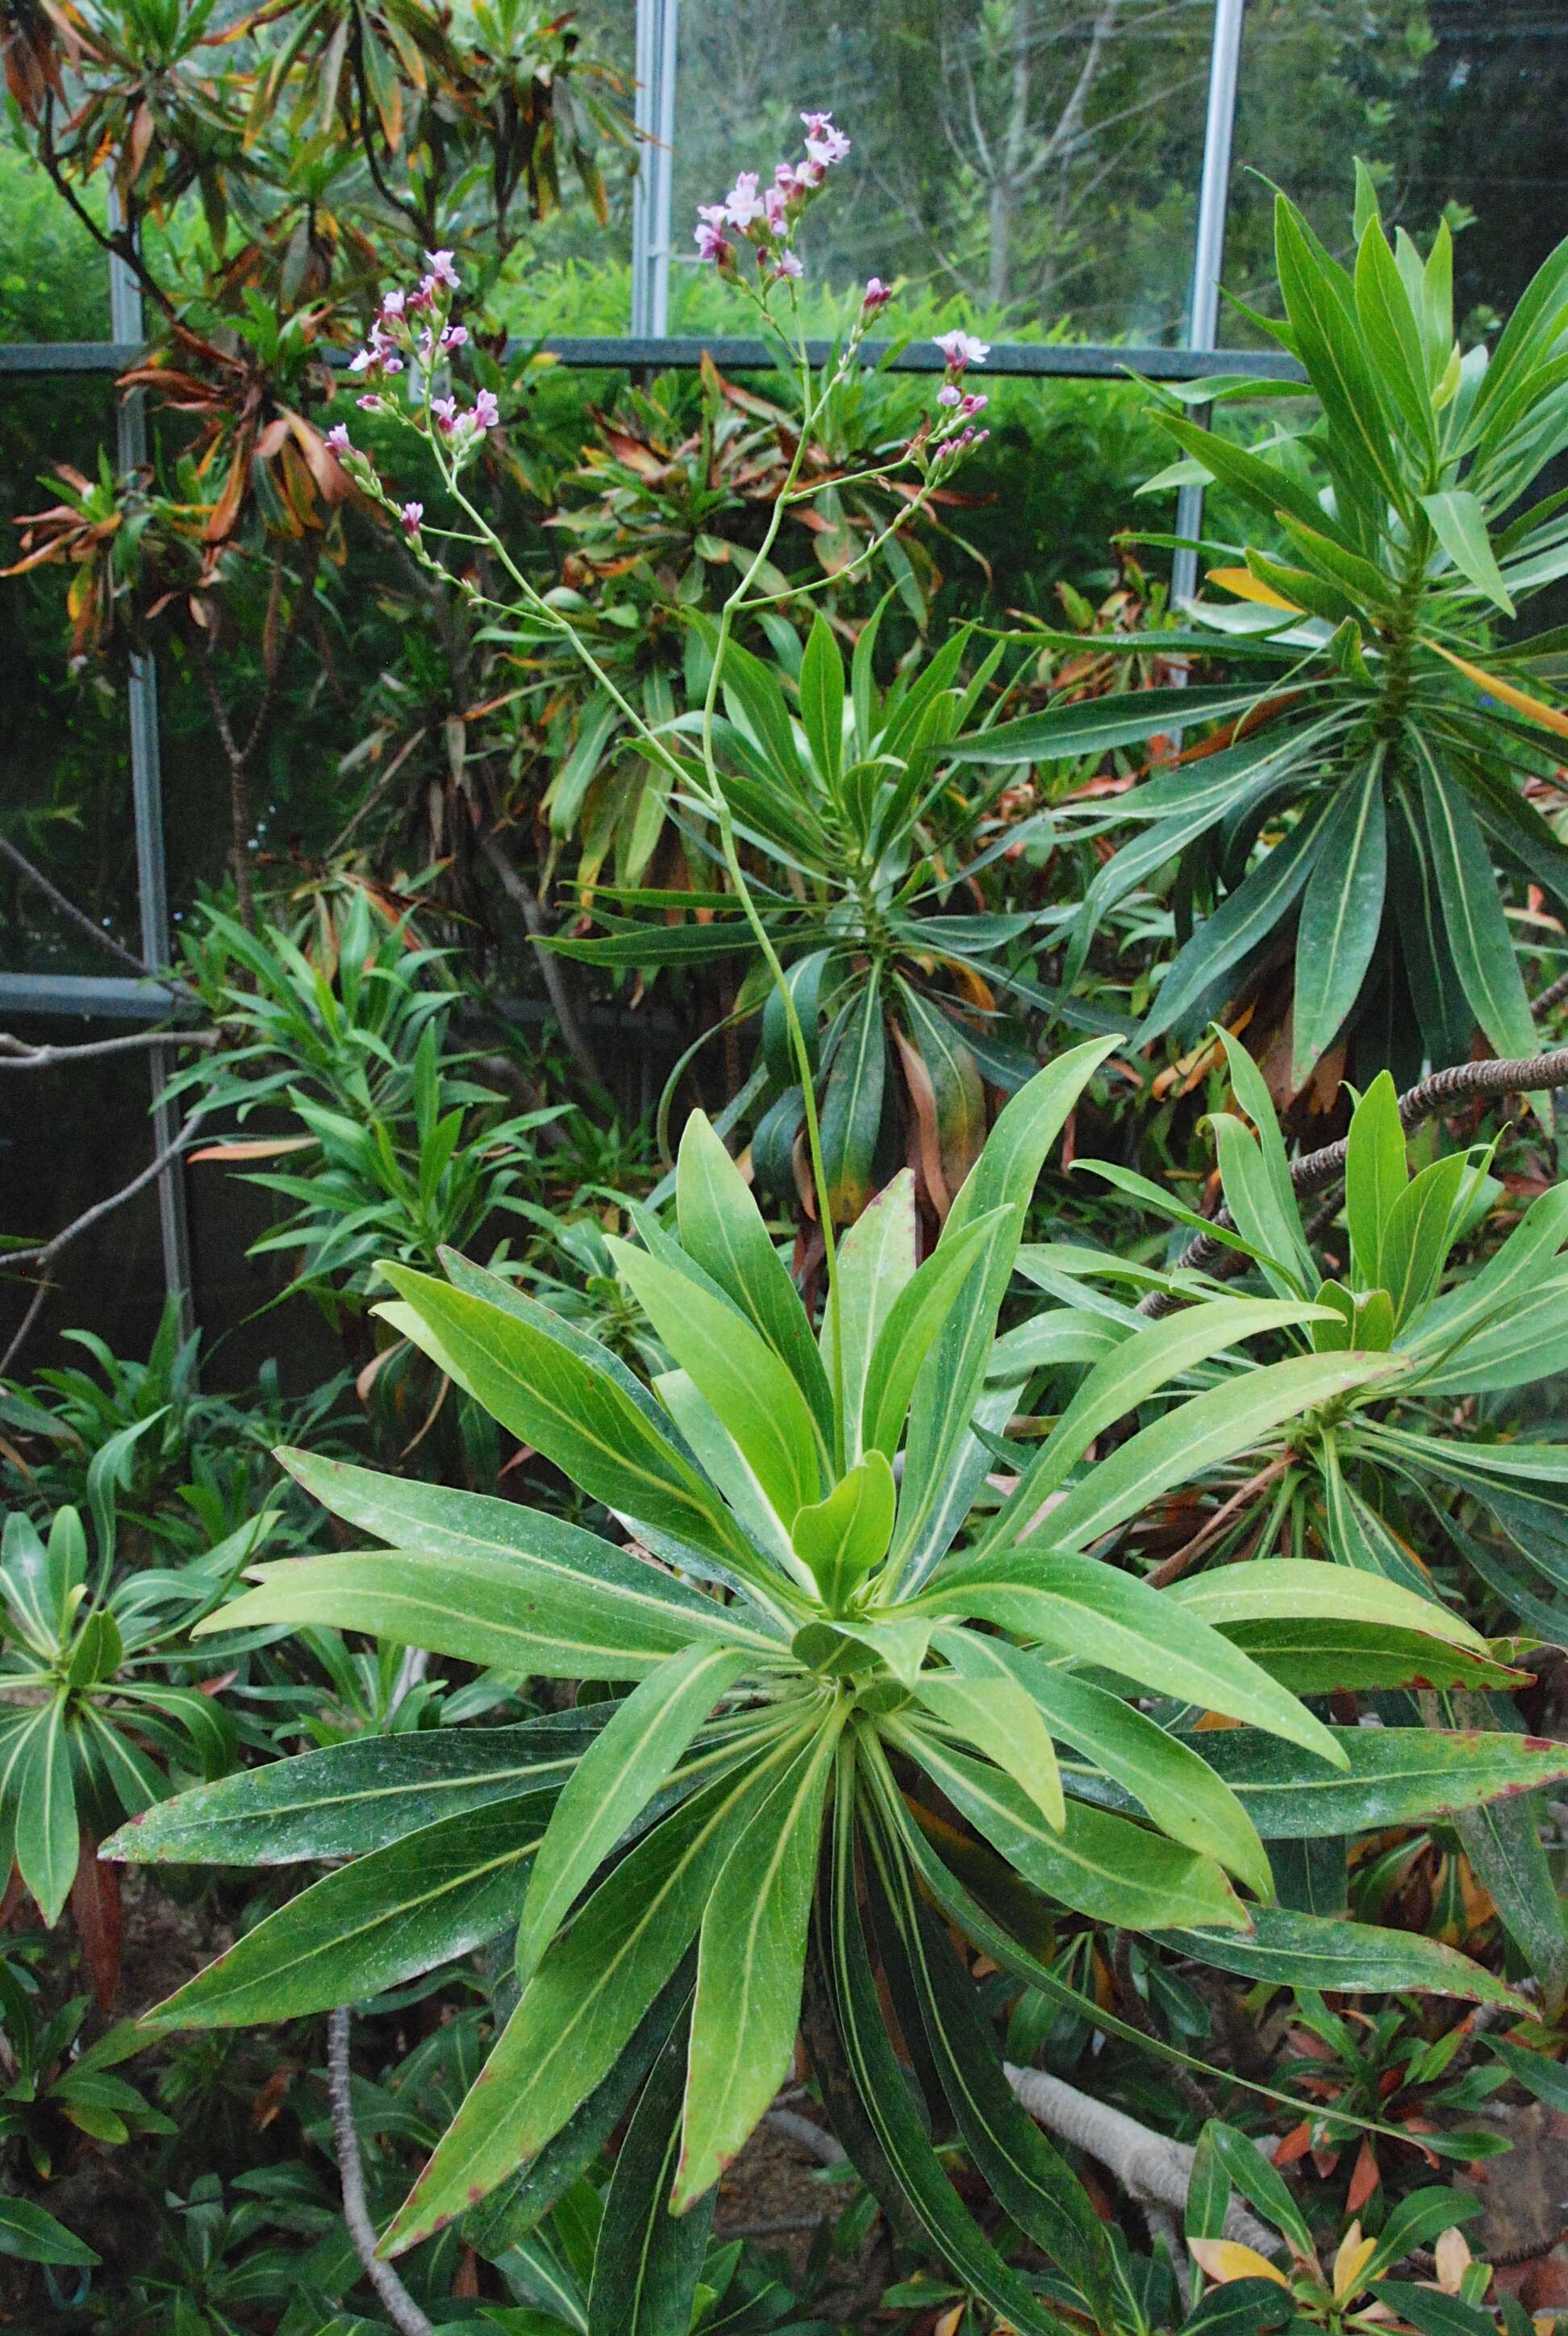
572	274
1032	164
67	793
71	1137
54	277
1457	105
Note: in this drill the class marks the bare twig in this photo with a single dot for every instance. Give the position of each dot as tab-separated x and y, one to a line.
1552	995
524	897
47	1251
84	924
16	1055
1461	1082
24	1328
1172	1568
400	2306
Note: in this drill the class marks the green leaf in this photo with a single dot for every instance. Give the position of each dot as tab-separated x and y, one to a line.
1132	1372
852	1109
821	686
371	1924
1100	1864
647	2262
752	1392
1376	1175
1214	1427
947	1393
883	2093
750	1964
1244	919
722	1229
1417	1234
1258	2183
1478	929
357	1796
1341	917
1092	726
437	1520
551	1619
37	1786
32	2235
1391	1777
1547	2079
981	1699
1503	1843
1070	1604
1459	523
843	1537
614	1781
1292	1950
1315	1654
1305	1590
1176	1783
586	1999
876	1262
568	1406
941	1289
1030	2179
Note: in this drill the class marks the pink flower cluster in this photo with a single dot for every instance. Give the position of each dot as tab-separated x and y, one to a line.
766	218
419	324
957	406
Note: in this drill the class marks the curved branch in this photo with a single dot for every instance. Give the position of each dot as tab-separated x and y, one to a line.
84	924
45	1252
1315	1171
399	2305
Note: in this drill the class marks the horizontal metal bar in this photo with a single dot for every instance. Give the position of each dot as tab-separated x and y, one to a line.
1027	360
69	357
114	997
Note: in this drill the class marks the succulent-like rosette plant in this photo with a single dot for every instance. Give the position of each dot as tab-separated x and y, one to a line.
827	1696
1399	1479
1368	790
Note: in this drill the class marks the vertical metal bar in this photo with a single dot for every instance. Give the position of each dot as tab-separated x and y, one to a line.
658	26
1209	247
127	324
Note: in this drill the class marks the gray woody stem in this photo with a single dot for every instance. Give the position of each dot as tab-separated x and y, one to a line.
1152	2169
400	2306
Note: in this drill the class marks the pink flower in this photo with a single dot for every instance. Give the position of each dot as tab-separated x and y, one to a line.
816	123
455	336
392	364
742	205
961	349
364	360
442	270
445	412
486	412
776	210
392	303
370	405
973	404
786	263
877	295
830	147
337	438
709	238
948	395
411	514
427	347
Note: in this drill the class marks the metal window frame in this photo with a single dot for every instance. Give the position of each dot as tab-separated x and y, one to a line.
646	345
